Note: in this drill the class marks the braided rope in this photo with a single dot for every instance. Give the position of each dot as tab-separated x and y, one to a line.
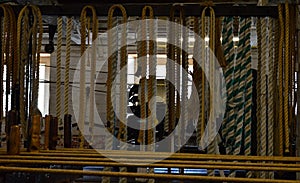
271	98
58	70
280	79
67	65
286	78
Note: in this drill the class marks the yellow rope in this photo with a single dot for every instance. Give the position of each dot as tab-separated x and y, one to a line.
197	73
271	77
22	38
203	49
67	65
93	72
37	28
82	108
112	66
286	78
280	78
58	69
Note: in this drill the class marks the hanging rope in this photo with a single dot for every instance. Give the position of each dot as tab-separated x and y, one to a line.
111	75
248	93
228	45
203	50
22	39
263	111
8	43
286	78
280	79
143	58
58	70
24	33
67	65
37	29
197	75
271	77
179	56
85	22
258	85
151	82
93	72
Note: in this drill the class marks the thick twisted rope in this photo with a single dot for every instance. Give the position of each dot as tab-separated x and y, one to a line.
85	22
123	91
263	111
197	74
239	87
36	54
258	85
271	77
185	65
229	56
112	67
67	65
203	50
280	79
58	70
22	38
151	83
143	59
93	72
286	78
